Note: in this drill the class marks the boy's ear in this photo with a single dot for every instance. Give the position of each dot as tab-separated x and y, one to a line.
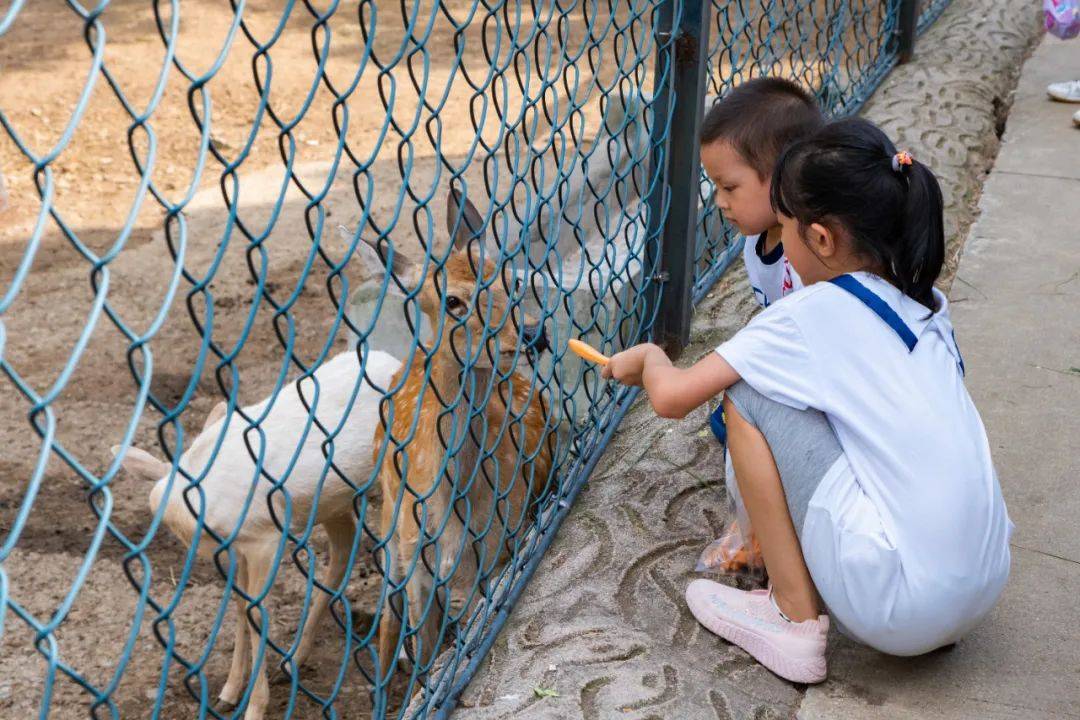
822	240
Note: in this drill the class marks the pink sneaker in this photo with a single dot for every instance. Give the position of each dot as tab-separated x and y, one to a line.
794	651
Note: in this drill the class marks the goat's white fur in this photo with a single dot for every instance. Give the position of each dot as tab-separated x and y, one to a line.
229	480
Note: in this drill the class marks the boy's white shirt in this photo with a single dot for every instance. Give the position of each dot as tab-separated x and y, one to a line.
771	275
907	537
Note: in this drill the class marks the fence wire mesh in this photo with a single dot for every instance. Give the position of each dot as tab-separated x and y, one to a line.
838	49
286	295
929	11
197	176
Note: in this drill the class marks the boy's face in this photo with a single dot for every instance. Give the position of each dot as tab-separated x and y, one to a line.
741	194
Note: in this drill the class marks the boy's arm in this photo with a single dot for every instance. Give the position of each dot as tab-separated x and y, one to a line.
673	392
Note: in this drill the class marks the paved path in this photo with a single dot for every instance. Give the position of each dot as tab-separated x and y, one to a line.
603	621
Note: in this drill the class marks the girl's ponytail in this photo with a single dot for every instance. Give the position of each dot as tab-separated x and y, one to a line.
920	252
849	175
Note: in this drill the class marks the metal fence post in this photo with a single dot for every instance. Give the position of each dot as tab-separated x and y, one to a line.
907	28
689	51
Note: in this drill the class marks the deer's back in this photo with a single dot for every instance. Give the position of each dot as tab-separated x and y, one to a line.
290	450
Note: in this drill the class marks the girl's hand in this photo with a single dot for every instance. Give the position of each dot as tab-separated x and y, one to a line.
626	367
673	392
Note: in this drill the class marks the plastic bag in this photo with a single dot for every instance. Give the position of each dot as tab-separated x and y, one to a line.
1062	18
736	552
733	553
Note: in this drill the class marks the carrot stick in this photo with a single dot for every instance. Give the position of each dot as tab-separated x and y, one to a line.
588	352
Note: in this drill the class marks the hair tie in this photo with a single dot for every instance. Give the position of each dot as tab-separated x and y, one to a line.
901	160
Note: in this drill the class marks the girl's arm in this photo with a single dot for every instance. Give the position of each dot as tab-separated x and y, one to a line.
673	391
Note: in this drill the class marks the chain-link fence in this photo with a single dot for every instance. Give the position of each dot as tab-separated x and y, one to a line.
285	296
929	11
838	49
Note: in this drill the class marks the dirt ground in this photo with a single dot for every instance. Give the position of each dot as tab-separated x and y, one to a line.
45	63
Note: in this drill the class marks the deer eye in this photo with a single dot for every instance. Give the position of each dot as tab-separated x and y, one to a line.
454	303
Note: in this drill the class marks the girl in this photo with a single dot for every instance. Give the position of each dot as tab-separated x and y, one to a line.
861	460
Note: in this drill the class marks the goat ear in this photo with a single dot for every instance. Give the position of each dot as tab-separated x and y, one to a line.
141	463
463	220
216	414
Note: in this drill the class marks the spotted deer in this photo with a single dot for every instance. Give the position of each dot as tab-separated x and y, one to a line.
447	529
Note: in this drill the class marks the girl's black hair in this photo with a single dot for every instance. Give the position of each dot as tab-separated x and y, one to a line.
845	175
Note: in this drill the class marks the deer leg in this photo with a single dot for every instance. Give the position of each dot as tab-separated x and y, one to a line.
234	685
257	573
426	628
340	533
389	620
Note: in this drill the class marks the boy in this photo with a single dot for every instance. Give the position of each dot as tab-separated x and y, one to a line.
742	137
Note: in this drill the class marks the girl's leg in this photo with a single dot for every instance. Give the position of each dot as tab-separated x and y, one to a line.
766	504
780	456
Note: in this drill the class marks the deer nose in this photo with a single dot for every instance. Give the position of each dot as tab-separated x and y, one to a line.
536	338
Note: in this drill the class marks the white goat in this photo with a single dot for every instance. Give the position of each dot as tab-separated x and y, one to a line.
228	483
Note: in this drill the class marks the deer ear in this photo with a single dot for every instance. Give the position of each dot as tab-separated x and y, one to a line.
463	220
141	463
372	257
216	414
371	264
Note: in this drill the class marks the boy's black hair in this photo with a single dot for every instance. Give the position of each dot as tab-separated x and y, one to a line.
847	176
760	118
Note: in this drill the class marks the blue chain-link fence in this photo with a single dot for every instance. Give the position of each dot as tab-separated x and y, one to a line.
286	294
839	49
929	11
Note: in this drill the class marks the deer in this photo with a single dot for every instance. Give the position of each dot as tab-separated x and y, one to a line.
343	395
442	526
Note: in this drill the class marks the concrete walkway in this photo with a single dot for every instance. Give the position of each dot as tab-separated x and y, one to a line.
603	623
1016	307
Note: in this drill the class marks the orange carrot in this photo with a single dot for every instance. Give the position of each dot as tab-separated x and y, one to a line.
588	352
